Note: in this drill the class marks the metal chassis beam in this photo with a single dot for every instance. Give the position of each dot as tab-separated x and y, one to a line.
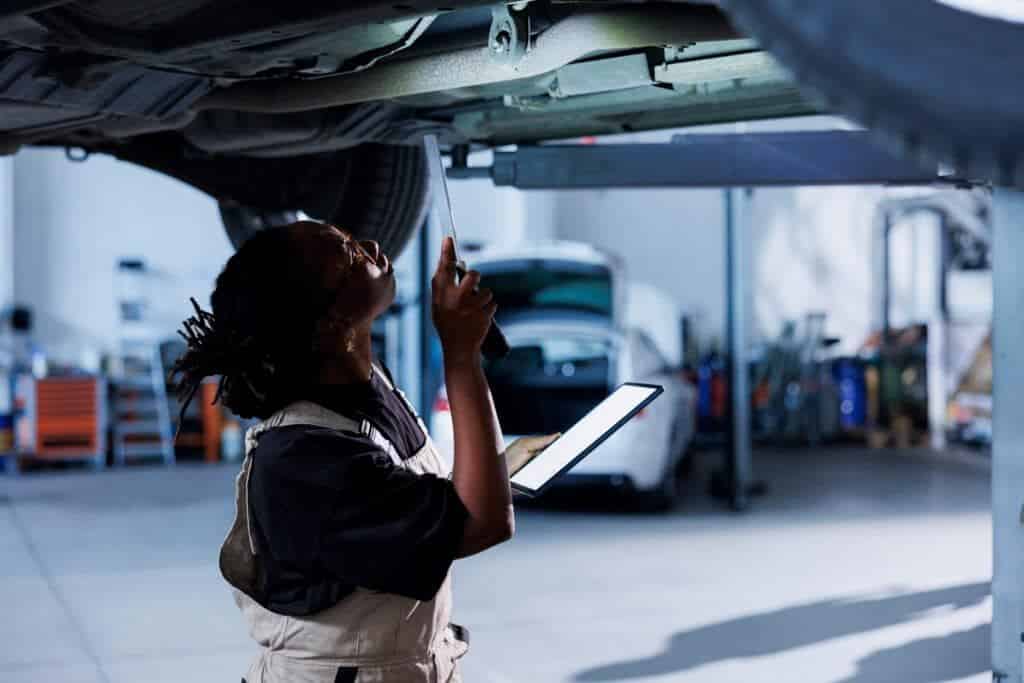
831	157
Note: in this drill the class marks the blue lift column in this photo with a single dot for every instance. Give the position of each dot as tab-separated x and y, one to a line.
1008	437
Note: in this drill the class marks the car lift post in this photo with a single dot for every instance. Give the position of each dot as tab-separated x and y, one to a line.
1007	437
738	463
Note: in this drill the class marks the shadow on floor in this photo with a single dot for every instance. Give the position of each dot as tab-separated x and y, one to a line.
928	660
802	625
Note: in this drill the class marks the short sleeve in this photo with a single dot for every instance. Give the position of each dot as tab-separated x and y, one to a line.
370	522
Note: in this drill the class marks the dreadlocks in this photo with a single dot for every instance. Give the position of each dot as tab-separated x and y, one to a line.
259	337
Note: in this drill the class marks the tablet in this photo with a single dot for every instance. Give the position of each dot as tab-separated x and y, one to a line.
583	437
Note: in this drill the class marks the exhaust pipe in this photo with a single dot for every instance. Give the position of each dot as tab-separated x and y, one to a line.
571	39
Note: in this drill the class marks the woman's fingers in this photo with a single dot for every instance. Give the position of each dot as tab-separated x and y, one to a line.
467	292
524	449
470	281
539	443
444	275
483	297
445	271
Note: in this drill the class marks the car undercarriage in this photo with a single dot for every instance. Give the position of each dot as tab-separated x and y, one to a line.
309	107
255	82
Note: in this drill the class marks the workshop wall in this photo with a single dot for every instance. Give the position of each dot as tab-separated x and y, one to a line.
671	239
73	221
814	252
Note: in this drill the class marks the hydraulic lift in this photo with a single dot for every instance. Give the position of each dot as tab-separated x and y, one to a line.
738	162
735	162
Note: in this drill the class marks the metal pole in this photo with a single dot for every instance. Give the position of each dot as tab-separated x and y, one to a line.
886	282
737	266
1007	437
938	340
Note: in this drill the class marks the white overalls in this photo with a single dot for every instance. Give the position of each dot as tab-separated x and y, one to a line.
368	637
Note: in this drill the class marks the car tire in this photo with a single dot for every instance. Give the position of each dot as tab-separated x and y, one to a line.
666	495
379	192
936	81
242	222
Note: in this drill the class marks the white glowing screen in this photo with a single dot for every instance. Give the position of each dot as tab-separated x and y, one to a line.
581	435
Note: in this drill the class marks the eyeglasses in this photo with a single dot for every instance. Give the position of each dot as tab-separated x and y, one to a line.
355	251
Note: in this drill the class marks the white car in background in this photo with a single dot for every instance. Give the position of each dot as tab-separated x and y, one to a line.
563	309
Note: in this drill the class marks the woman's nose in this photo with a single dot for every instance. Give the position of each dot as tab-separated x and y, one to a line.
372	248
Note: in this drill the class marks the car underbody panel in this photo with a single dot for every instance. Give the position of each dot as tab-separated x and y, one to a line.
233	78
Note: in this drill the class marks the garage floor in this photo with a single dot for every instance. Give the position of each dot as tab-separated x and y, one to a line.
858	567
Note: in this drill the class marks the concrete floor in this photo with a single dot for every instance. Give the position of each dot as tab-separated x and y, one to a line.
857	567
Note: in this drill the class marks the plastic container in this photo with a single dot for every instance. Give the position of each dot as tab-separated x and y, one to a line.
6	411
6	393
852	387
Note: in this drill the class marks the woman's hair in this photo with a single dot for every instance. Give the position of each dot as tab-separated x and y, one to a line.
259	339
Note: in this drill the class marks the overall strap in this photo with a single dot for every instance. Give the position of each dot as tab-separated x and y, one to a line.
314	415
401	395
308	413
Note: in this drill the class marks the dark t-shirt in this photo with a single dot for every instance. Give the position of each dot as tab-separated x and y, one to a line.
332	512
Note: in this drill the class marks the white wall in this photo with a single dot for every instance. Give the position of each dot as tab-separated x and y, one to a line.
671	239
814	252
73	221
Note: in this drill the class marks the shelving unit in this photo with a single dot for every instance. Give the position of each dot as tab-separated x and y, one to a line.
203	424
70	420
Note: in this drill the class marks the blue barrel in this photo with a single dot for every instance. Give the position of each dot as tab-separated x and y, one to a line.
853	404
704	375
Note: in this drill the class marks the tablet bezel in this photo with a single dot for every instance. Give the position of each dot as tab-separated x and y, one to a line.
533	493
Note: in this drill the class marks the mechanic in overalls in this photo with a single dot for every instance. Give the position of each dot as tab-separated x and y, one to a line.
347	521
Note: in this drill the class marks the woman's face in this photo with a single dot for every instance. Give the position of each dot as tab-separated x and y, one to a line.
358	274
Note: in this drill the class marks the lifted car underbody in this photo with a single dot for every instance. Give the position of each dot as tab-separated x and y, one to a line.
276	108
239	79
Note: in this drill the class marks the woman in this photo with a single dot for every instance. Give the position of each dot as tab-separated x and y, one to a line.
346	521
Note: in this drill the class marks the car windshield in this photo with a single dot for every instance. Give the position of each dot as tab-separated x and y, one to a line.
535	284
562	356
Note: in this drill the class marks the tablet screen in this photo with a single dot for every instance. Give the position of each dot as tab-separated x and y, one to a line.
582	437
